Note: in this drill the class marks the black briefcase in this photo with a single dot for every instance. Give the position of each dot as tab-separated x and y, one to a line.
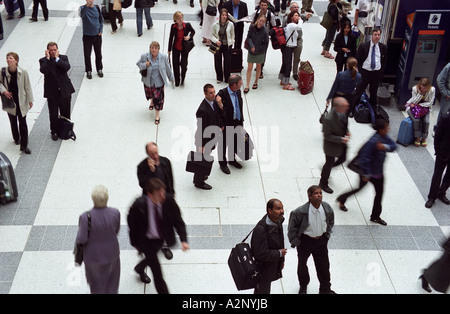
245	145
196	163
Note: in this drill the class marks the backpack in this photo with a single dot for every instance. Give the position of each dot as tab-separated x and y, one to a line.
278	38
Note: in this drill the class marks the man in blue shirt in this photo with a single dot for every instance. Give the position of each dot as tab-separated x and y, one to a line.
231	99
238	9
92	21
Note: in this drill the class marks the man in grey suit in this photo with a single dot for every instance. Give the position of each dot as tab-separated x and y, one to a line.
335	138
309	230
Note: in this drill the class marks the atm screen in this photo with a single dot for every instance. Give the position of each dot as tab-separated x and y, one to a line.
426	45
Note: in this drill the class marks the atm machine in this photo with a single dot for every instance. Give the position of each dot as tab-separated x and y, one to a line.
424	50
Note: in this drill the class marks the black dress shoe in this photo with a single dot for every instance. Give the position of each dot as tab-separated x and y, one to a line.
343	208
26	150
379	221
328	291
235	164
326	188
225	169
167	252
100	73
55	136
33	19
444	199
144	277
303	290
429	203
89	75
425	284
17	142
203	186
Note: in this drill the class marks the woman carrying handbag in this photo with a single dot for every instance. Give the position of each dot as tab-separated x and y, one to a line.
15	85
181	40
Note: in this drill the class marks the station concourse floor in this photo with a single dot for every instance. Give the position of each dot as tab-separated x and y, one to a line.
113	124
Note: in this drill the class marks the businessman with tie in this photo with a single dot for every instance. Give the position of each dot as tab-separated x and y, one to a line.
371	58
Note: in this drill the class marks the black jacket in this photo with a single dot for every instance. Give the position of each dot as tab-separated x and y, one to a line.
55	77
339	43
144	3
188	30
138	222
363	53
207	117
228	107
144	174
266	243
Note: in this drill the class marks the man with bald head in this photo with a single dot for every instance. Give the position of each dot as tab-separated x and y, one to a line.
335	138
155	166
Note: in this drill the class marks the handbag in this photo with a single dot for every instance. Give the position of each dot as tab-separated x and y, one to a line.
418	111
354	165
327	20
323	115
78	250
188	44
211	9
213	48
144	72
7	103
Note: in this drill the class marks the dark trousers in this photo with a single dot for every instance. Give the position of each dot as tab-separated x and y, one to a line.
331	162
378	185
19	132
228	144
88	43
44	8
238	35
371	78
56	107
329	36
438	188
150	251
341	64
11	7
319	250
277	5
1	25
113	15
286	65
222	63
179	61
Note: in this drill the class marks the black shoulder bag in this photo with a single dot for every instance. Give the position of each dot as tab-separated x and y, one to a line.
78	250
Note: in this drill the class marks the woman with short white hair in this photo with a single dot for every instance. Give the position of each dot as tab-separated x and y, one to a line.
97	232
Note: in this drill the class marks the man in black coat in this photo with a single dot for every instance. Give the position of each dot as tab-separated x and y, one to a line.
231	99
440	186
210	123
58	88
239	10
268	245
155	166
371	58
151	220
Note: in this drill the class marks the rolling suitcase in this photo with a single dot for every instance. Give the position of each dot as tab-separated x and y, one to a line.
8	185
236	61
380	113
243	266
406	132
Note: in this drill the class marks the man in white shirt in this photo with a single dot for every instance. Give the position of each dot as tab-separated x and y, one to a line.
371	58
309	230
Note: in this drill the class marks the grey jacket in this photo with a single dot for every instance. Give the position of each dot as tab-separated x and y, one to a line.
299	221
164	68
102	246
334	129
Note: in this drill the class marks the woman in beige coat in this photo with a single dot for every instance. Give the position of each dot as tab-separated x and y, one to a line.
15	84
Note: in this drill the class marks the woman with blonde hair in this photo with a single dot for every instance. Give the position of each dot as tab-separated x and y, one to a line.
157	66
418	108
15	85
256	43
180	33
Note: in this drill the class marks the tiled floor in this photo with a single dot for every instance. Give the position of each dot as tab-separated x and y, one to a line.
113	124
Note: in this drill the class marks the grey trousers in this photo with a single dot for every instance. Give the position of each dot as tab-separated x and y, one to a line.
421	125
306	4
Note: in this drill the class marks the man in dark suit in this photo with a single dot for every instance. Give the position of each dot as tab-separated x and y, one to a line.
440	186
239	10
335	138
152	219
268	245
371	58
210	123
58	88
155	166
231	99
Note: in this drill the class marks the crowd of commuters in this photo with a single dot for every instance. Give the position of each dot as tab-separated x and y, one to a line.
155	217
